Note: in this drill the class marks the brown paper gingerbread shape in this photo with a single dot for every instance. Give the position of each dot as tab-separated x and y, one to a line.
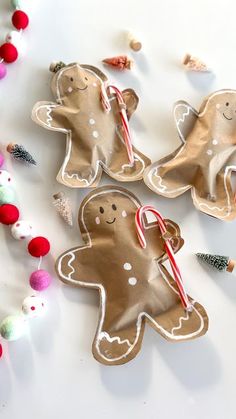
133	284
205	159
94	137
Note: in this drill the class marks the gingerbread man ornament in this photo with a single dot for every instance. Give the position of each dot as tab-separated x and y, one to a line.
133	284
95	138
206	158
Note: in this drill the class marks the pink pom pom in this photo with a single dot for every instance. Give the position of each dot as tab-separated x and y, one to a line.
40	280
1	160
3	71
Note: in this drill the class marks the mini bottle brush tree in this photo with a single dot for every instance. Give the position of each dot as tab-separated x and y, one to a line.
221	263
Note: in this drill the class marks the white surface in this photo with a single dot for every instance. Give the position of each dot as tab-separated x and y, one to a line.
52	374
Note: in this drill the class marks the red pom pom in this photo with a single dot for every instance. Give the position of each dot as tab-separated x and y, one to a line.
8	52
20	19
1	351
9	214
38	246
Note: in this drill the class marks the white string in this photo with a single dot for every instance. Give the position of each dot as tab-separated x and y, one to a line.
40	261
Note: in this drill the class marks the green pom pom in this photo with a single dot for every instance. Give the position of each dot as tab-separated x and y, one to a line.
16	4
7	195
12	327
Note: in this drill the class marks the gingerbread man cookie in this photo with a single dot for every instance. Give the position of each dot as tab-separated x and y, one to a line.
95	138
206	158
133	284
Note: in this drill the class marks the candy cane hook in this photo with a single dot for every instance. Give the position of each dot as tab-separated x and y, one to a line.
175	269
105	89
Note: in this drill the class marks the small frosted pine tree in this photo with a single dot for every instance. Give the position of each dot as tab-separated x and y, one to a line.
18	152
216	261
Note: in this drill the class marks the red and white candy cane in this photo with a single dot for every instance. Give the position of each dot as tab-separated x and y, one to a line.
175	269
105	90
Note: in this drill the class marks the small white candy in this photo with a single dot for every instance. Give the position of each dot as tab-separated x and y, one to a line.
21	229
15	38
33	306
95	134
5	178
127	266
132	281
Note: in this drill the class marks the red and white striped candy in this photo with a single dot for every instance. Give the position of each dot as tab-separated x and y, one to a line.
123	115
175	269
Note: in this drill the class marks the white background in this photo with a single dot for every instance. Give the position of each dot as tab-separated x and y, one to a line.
51	373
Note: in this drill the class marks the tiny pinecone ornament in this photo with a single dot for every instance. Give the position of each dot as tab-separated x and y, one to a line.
18	152
63	207
194	64
121	62
218	262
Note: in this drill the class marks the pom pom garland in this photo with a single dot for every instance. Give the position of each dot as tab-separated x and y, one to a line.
5	178
9	50
38	247
21	230
16	4
14	37
1	156
33	306
7	195
20	19
9	214
14	326
3	73
40	280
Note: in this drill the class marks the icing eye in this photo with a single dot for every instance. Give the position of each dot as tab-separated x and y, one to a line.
71	79
227	104
86	78
101	209
114	207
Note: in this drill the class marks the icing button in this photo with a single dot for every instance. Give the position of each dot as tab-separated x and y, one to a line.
95	134
132	281
127	266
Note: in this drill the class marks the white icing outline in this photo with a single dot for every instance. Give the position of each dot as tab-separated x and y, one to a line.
100	334
181	320
182	119
162	188
99	164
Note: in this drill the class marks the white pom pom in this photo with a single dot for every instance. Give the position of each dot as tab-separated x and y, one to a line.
5	178
21	229
34	306
15	38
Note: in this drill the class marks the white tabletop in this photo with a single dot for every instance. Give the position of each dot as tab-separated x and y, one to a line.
51	372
